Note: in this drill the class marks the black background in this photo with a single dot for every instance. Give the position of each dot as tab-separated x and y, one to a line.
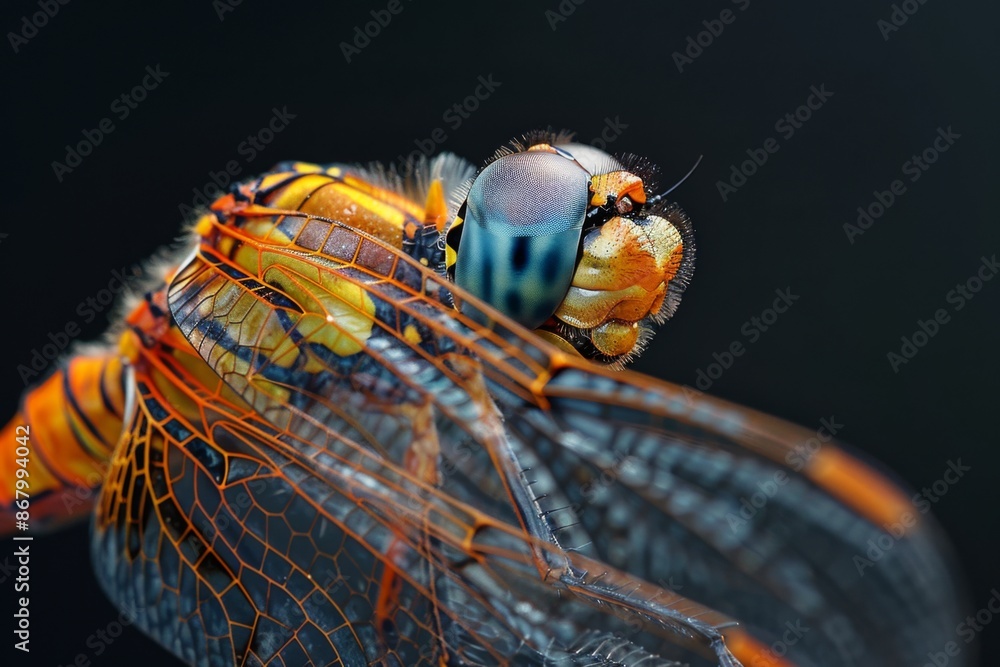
607	60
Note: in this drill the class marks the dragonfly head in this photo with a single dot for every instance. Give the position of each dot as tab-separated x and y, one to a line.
568	241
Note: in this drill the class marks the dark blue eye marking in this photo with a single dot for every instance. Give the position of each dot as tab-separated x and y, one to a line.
551	265
514	302
522	208
519	257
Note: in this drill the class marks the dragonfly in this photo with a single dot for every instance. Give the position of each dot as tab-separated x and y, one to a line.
369	416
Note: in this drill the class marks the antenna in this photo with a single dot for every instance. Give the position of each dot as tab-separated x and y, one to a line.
676	185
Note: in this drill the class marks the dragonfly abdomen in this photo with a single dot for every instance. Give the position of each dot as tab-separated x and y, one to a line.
73	420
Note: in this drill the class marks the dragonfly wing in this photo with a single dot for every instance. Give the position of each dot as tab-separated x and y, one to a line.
817	554
343	342
211	547
230	542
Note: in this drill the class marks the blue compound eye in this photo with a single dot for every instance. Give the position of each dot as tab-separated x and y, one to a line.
521	233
